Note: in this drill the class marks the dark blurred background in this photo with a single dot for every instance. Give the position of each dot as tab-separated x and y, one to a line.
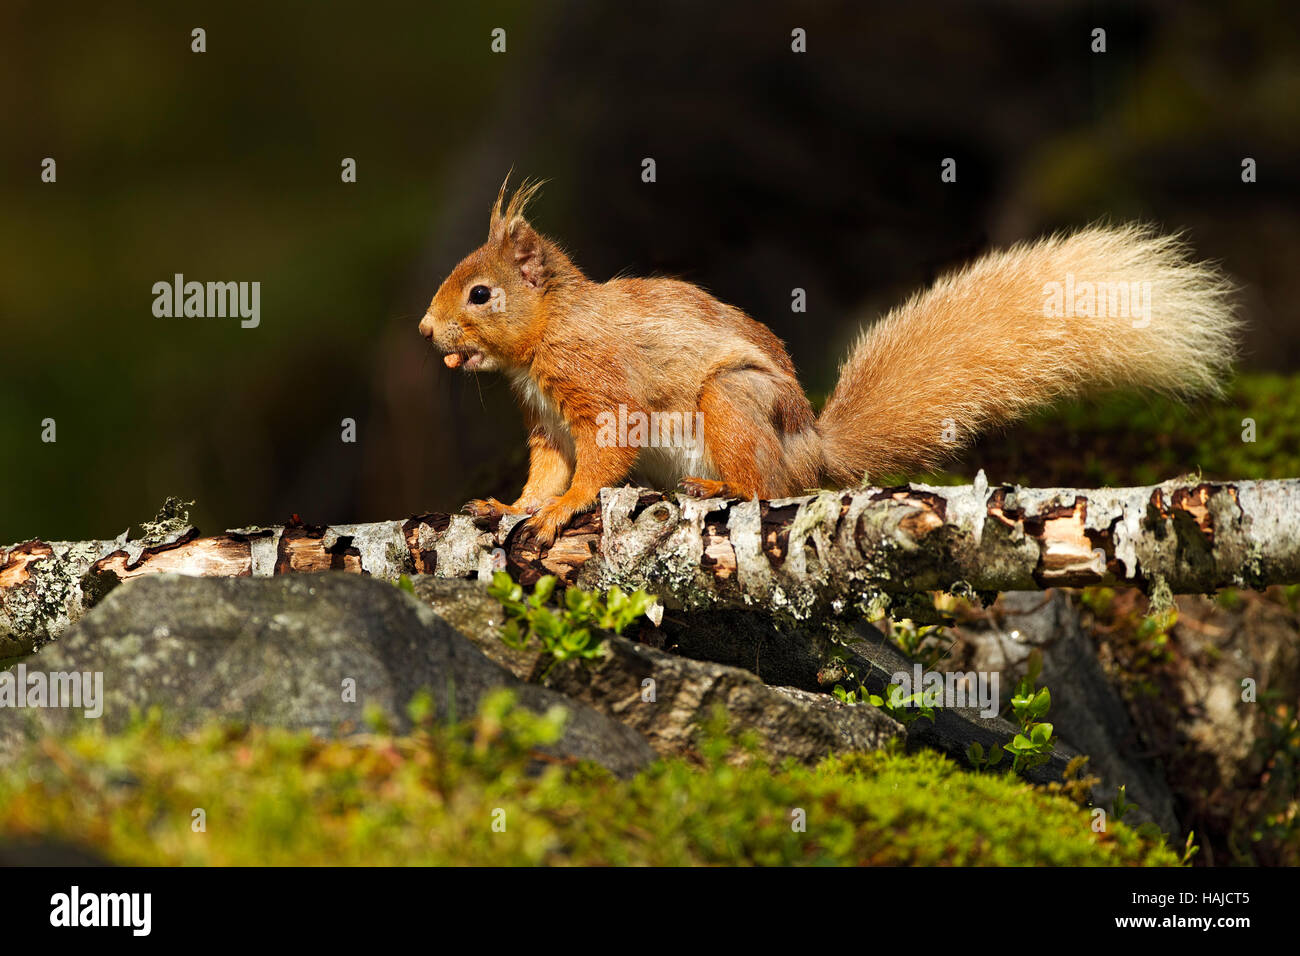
775	170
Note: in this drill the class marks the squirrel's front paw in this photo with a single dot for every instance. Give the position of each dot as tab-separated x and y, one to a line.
490	508
549	520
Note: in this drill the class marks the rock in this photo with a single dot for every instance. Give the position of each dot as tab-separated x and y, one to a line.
1223	749
44	851
1221	647
800	656
1087	710
953	729
1169	721
788	661
277	651
789	722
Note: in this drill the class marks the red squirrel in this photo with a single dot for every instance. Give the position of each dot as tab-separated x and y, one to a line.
1012	332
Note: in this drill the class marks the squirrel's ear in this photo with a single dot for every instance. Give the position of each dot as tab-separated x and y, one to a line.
523	246
518	241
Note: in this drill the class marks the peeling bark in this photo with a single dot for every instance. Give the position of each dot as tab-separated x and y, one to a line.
831	554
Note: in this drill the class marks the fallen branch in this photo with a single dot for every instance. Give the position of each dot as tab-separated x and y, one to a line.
831	554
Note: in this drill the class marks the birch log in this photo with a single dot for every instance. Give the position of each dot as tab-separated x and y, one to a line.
831	554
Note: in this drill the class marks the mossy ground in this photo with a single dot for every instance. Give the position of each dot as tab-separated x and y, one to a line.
432	796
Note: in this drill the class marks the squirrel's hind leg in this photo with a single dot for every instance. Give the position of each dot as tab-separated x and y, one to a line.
738	417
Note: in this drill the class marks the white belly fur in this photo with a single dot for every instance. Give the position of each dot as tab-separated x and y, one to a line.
659	468
557	429
663	468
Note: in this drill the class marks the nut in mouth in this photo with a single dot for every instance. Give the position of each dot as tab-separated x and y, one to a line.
468	358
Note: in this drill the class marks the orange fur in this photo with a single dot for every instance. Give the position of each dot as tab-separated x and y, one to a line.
974	351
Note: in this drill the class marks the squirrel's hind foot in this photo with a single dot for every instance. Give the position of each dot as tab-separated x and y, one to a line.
707	488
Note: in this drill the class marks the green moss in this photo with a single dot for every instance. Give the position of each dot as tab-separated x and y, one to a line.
280	797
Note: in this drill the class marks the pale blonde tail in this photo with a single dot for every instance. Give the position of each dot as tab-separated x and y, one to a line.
1016	330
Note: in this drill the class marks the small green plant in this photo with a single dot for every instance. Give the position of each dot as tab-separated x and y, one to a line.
903	709
924	644
1122	804
1033	746
975	754
1032	749
574	628
858	696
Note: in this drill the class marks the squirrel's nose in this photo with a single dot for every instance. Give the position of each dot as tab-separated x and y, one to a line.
426	327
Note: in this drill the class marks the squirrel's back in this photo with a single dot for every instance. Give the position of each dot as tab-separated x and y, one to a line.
1019	329
662	339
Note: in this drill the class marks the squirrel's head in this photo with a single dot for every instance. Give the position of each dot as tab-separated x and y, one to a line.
489	313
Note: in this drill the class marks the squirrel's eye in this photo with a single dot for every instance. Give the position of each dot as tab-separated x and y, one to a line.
480	294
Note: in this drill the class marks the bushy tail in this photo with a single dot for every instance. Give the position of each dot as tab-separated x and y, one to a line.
1016	330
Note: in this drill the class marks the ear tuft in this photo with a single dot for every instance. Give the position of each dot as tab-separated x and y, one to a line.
495	217
502	220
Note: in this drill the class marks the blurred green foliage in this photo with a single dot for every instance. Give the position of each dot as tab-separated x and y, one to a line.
223	165
1132	439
